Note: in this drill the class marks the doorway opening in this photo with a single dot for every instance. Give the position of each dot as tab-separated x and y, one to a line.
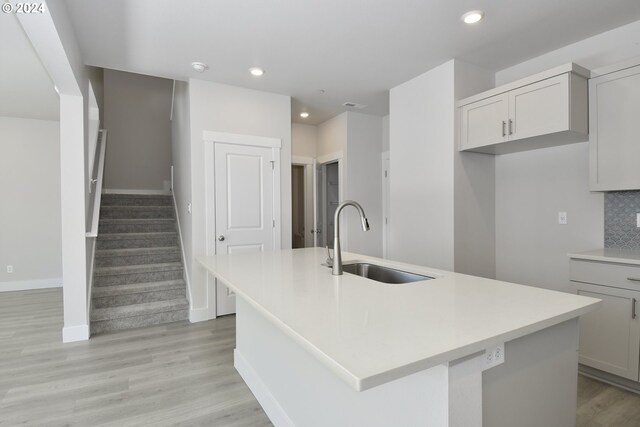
328	194
298	210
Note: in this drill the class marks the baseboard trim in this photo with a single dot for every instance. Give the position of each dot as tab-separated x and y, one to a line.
198	315
75	333
269	404
608	378
146	192
27	285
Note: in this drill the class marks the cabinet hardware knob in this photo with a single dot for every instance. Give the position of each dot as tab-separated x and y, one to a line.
633	279
504	128
221	238
510	127
633	308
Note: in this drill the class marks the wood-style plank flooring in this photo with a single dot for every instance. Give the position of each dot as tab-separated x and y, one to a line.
169	375
179	374
602	405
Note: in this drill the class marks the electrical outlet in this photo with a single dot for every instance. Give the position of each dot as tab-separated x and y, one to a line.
494	356
562	218
638	220
188	207
9	269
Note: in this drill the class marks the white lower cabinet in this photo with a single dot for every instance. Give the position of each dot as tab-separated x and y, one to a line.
610	334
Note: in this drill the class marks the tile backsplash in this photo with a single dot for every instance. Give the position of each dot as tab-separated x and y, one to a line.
620	209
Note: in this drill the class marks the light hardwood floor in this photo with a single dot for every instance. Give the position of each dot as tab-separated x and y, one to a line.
169	375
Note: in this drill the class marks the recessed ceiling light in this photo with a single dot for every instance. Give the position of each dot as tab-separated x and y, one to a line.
256	71
200	66
304	114
472	16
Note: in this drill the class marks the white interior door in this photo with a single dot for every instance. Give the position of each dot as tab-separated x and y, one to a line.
244	206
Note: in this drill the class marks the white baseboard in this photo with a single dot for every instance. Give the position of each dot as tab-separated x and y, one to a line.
75	333
198	315
271	407
26	285
146	192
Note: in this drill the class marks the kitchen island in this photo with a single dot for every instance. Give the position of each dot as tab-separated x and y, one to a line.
318	350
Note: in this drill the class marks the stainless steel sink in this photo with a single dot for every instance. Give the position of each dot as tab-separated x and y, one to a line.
382	274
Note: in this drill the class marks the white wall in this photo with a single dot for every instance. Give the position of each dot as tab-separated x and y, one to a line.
474	183
53	38
223	108
30	223
181	158
304	139
332	136
137	112
422	175
533	186
364	183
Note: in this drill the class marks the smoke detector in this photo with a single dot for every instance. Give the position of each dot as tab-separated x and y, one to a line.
353	105
200	67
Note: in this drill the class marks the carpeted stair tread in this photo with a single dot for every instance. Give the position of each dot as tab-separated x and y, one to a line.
125	311
137	220
143	268
106	253
135	288
136	200
130	236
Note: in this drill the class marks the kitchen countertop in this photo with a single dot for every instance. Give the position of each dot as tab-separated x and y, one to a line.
622	256
369	333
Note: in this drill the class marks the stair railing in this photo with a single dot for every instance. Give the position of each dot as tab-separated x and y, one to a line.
97	181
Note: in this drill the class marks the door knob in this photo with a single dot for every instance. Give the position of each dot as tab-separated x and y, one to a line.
221	238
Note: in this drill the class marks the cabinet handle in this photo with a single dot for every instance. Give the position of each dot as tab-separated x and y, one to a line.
633	279
633	308
504	128
510	127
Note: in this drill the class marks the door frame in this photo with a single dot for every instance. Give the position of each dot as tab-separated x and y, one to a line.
210	138
309	164
385	202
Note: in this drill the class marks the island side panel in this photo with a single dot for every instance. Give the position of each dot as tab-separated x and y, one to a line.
294	388
537	384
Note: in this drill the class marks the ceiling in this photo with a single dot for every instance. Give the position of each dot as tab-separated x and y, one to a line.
26	90
354	50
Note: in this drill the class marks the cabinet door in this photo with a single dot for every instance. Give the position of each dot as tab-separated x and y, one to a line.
614	119
540	108
484	122
609	335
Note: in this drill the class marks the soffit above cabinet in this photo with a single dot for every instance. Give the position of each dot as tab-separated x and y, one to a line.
562	69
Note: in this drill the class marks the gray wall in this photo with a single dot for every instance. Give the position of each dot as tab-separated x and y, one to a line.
532	186
30	222
364	183
137	112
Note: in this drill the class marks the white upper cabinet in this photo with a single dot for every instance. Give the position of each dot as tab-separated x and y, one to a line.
541	111
485	122
614	114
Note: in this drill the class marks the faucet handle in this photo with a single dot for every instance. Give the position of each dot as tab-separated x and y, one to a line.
329	257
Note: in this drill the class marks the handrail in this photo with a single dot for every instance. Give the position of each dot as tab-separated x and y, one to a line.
97	195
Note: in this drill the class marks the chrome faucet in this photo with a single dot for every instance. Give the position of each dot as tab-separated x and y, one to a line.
336	261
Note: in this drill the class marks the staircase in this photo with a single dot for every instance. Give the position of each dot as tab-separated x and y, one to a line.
138	273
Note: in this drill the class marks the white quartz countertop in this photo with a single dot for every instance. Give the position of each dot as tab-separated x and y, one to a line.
623	256
370	333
